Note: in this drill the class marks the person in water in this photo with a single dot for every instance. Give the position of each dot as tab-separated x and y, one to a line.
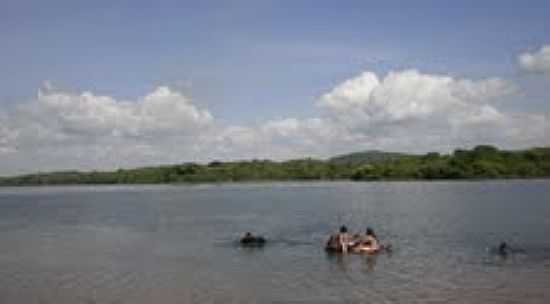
372	238
249	239
333	245
368	243
503	249
345	240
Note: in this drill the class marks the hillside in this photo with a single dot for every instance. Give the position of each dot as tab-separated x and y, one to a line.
371	156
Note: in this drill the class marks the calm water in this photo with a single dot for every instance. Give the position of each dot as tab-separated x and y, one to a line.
176	244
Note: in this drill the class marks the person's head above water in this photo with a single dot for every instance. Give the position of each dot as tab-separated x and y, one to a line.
502	247
370	231
343	229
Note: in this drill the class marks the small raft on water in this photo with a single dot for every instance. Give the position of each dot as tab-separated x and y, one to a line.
334	246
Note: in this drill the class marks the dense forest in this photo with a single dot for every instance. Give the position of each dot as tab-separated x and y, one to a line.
480	162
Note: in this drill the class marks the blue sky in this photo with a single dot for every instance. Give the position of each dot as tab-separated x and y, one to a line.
251	61
275	55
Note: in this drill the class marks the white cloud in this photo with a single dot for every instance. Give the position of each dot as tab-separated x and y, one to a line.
60	117
7	137
537	62
411	111
408	95
277	139
162	110
402	111
61	129
351	93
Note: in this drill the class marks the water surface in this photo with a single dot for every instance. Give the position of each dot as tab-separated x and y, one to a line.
176	244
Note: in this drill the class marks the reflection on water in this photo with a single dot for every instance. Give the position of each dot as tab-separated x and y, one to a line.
172	244
346	262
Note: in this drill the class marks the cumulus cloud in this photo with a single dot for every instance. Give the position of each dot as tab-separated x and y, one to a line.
62	117
163	110
351	93
410	110
410	95
536	62
7	136
60	128
277	139
401	111
404	111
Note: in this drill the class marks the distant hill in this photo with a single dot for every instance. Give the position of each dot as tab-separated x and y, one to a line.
371	156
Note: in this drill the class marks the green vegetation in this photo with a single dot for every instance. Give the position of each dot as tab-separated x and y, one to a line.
481	162
372	156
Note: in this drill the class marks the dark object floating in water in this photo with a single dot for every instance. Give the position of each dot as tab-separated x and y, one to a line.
250	240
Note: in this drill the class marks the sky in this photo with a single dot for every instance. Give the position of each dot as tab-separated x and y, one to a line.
108	84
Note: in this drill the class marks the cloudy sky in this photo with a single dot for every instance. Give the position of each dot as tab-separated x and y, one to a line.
108	84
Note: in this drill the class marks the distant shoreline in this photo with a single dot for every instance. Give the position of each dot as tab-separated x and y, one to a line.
479	164
224	183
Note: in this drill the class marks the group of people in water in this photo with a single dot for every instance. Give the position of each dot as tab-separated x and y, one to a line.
344	242
341	242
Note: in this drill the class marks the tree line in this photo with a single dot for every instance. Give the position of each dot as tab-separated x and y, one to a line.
481	162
